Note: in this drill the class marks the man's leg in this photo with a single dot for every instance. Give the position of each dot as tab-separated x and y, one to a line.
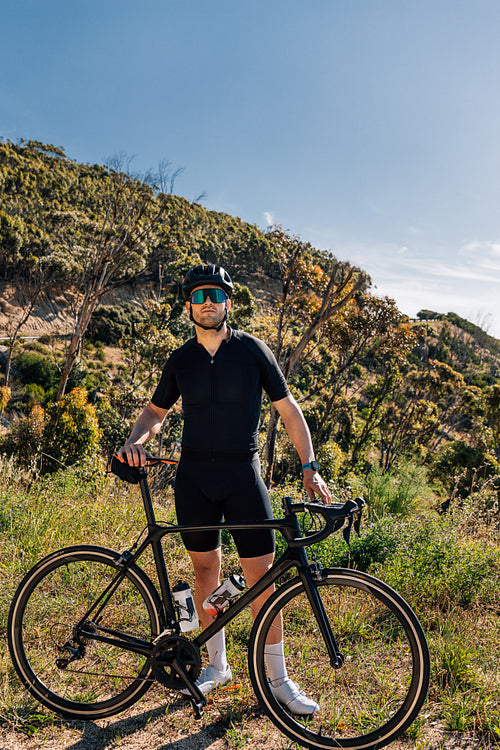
207	571
254	568
207	577
284	690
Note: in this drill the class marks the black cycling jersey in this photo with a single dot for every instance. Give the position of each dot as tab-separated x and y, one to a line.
221	395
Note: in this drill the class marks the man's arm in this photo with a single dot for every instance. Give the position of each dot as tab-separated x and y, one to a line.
146	427
298	432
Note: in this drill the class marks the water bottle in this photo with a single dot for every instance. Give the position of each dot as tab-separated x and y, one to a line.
220	599
184	604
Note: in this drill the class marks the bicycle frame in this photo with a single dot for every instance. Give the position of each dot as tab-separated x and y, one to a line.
294	556
130	634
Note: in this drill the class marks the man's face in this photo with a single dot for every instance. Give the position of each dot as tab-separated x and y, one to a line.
208	312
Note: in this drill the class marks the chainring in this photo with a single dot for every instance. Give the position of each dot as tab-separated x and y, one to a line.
171	647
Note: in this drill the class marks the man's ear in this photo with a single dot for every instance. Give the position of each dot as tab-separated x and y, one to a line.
228	303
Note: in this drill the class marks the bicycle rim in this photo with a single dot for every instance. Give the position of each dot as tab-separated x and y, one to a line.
383	682
50	601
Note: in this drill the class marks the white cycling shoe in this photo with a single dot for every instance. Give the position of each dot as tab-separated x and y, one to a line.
293	698
210	678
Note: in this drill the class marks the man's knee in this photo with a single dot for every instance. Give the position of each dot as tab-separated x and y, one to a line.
206	564
256	567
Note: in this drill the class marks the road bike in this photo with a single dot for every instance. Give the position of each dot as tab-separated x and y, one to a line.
89	632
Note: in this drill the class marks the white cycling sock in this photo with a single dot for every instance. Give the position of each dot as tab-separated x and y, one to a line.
216	647
274	658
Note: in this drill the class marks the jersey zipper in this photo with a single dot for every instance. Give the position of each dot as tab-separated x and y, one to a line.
212	407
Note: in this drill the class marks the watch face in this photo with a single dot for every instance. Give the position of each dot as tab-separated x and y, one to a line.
315	465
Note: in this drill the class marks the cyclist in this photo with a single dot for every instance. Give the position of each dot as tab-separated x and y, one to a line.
220	374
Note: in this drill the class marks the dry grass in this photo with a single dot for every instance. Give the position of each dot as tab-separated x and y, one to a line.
38	517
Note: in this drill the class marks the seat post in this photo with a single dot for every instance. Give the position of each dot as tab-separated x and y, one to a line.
146	498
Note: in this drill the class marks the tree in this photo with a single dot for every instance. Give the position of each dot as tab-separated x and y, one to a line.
311	296
12	236
409	409
112	250
368	330
492	408
27	292
150	344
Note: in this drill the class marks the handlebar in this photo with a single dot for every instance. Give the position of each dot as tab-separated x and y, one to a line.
335	516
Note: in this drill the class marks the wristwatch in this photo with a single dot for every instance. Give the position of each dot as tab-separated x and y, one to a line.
311	465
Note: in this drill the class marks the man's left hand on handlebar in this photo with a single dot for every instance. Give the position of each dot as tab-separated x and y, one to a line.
314	485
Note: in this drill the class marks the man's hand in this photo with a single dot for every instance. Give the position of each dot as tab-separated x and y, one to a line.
132	454
147	425
314	485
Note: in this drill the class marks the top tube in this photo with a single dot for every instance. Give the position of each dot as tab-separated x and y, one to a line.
334	515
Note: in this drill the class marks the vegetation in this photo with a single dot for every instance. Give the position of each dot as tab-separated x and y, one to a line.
406	413
448	574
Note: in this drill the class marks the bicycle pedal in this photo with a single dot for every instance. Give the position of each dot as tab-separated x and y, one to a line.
198	708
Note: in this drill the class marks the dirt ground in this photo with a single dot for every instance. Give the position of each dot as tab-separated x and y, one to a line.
167	722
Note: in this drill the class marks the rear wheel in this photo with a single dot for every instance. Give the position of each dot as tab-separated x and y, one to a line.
383	682
61	664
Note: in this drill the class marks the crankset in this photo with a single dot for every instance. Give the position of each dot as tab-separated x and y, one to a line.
172	650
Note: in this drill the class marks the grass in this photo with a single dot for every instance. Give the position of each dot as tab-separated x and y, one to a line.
446	567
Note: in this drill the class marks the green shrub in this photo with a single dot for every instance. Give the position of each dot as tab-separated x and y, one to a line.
110	323
37	368
67	432
331	458
36	346
378	540
24	439
72	431
462	468
398	491
434	565
34	393
114	429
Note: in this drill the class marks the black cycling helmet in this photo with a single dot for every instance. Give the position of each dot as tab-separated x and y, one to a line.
209	274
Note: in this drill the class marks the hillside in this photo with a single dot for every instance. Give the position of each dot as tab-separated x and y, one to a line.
91	256
405	413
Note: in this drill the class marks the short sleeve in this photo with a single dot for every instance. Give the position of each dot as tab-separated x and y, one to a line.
272	379
167	391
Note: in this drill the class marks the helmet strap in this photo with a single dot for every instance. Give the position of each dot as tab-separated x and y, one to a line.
208	328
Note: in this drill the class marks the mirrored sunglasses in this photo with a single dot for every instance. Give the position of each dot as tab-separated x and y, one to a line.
200	295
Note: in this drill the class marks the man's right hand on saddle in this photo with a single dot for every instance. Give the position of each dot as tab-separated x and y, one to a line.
132	454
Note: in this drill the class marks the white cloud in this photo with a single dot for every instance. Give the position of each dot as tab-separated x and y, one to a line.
269	218
484	247
465	281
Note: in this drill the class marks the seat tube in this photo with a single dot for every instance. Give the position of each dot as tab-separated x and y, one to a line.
159	558
318	608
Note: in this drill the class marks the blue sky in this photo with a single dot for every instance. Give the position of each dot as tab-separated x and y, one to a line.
370	128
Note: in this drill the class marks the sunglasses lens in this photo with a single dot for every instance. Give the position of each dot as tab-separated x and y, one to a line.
200	295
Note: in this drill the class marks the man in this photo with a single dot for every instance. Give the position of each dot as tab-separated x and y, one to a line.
220	374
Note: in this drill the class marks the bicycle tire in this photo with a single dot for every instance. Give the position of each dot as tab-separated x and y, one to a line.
50	601
379	690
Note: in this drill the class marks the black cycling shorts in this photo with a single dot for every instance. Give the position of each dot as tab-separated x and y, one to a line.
208	492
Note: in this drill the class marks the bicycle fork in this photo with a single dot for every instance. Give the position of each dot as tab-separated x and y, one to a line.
308	575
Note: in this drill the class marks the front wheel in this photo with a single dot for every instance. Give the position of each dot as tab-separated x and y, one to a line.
377	692
50	634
